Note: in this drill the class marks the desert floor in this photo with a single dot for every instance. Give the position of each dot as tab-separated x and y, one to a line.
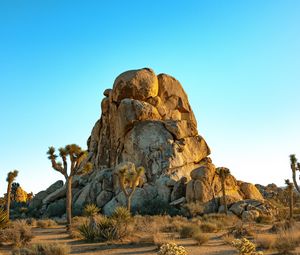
58	234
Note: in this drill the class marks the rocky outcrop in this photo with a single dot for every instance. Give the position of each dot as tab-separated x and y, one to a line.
147	119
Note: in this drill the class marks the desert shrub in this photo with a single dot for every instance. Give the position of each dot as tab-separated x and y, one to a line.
245	247
18	233
189	231
157	207
265	241
87	231
208	227
240	230
31	222
200	238
122	215
160	239
228	238
90	210
77	221
3	219
104	228
194	209
43	249
281	226
287	241
46	223
174	224
222	221
171	249
265	219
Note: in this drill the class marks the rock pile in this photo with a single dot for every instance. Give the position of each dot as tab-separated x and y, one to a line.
147	119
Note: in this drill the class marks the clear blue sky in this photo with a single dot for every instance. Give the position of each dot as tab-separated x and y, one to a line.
239	62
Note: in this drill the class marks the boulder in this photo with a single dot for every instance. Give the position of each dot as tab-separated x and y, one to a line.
147	119
55	186
250	191
137	84
103	198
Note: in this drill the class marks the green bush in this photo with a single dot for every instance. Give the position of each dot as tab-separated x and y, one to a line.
189	230
44	249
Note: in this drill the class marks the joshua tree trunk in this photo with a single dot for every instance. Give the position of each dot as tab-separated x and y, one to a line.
129	202
8	194
291	203
224	193
69	201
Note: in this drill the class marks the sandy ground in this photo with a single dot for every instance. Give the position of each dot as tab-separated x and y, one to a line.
58	234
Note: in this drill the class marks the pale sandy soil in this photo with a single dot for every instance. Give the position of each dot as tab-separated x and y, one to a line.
215	246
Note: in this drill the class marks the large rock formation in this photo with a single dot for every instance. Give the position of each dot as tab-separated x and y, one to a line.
147	119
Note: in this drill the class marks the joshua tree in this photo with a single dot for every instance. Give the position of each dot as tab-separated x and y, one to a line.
79	165
290	189
11	176
295	166
129	178
223	172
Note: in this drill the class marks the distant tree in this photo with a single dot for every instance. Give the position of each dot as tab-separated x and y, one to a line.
29	197
21	195
290	189
11	176
129	178
14	187
295	166
223	172
79	165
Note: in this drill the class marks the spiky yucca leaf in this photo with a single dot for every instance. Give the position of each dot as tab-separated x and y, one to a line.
3	219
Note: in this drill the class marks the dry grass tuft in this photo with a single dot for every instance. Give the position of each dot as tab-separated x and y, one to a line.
44	249
46	223
200	238
265	241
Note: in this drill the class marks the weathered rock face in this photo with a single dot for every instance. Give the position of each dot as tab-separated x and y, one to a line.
147	119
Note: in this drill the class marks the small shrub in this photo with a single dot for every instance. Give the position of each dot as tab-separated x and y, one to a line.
44	249
172	249
194	209
47	223
200	238
208	227
122	215
90	210
245	247
265	241
281	226
18	233
240	230
287	241
160	239
3	219
88	232
31	222
104	228
265	219
228	238
188	231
